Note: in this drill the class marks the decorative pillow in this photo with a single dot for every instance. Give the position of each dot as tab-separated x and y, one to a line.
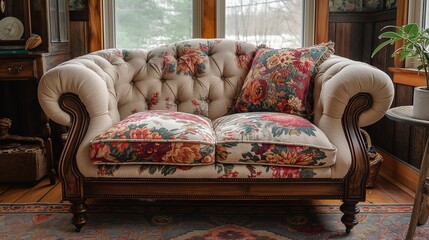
272	139
279	80
156	137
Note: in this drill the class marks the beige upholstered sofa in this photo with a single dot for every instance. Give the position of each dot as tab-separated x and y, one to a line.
215	119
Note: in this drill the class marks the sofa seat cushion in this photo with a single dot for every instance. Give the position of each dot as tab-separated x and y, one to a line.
265	138
156	137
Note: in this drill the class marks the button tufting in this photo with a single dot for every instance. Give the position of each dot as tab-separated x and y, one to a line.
162	80
132	82
176	102
194	77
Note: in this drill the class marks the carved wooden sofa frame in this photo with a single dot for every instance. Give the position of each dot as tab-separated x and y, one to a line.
351	189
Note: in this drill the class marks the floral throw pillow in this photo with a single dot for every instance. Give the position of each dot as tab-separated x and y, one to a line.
280	80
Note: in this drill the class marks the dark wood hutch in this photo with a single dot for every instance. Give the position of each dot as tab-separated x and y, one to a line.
20	70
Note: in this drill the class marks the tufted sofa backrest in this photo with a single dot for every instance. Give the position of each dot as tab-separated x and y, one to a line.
198	76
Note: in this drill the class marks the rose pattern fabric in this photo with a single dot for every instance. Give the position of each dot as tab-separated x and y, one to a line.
272	139
163	150
280	79
156	137
193	60
216	170
189	60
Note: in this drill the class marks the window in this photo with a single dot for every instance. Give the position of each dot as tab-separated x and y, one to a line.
418	12
149	23
276	23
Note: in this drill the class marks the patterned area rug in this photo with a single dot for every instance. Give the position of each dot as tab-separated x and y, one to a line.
205	222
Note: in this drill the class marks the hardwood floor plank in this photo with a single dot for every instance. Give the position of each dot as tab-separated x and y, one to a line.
37	192
54	195
14	193
4	187
391	191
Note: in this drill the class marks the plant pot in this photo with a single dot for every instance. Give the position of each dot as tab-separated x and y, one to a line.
421	103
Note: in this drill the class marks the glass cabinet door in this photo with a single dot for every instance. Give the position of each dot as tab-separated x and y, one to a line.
53	20
58	20
50	20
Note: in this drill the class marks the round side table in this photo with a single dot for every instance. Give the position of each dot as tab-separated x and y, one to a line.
421	200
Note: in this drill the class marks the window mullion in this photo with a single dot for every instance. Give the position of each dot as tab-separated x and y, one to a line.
220	20
196	18
208	26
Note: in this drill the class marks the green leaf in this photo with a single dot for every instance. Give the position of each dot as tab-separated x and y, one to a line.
382	45
389	26
404	54
393	35
411	29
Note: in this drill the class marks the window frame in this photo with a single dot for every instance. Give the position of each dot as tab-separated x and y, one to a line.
97	29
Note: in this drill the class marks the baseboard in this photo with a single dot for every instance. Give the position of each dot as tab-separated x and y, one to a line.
398	173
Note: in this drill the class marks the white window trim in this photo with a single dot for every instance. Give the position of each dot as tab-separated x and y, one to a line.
416	12
109	23
308	20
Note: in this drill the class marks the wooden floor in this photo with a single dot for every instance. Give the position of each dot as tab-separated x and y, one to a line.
384	192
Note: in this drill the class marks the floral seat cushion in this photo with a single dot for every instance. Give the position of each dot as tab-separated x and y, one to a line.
265	138
156	137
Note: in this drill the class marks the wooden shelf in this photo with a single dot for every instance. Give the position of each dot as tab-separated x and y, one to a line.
408	76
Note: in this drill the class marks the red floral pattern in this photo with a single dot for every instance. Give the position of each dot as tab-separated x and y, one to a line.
279	80
243	61
156	137
188	59
272	139
217	170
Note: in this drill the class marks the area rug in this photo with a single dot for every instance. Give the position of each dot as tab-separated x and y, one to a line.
195	221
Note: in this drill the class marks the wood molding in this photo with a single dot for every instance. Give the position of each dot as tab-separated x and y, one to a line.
71	178
322	21
401	19
398	173
351	17
356	178
208	25
95	22
408	76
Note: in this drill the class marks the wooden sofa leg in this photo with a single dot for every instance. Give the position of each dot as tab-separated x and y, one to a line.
78	209
350	209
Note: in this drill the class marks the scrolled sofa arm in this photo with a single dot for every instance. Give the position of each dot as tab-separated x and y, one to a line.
339	79
337	84
85	78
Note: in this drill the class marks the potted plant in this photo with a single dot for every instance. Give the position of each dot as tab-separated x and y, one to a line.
415	45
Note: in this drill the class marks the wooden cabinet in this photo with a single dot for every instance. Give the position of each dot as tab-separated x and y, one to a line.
20	73
50	20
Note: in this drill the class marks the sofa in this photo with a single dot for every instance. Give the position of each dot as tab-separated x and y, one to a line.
215	119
